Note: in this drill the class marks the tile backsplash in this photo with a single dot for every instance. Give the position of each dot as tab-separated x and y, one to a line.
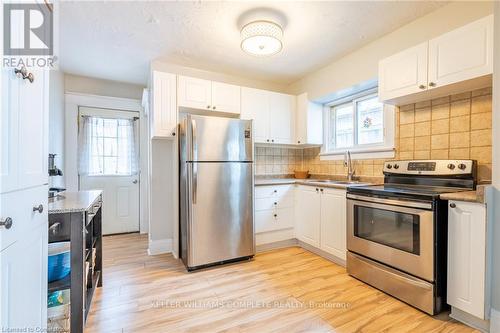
452	127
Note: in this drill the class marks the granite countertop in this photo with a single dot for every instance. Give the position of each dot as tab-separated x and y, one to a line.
469	196
73	202
308	182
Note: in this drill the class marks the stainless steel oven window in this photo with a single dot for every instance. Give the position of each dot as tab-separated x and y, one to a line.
388	227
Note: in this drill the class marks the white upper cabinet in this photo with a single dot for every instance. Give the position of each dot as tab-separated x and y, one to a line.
404	73
308	122
462	54
163	113
194	93
226	97
255	106
467	257
273	115
209	95
281	118
460	60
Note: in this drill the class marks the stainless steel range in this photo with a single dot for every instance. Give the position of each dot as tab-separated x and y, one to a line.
397	232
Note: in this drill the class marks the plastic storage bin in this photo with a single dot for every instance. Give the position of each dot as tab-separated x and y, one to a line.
59	265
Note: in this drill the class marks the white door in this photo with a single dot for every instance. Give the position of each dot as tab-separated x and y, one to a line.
281	117
467	257
226	97
404	73
255	106
111	137
462	54
194	93
333	222
308	215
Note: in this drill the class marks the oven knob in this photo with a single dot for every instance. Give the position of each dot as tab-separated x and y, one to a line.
462	166
389	166
396	166
451	166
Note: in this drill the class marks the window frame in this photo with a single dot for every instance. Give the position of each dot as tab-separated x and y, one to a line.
384	149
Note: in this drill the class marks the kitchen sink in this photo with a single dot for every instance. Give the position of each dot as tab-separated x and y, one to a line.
328	181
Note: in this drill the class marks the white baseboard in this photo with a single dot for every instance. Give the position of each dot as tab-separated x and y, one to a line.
470	320
494	321
160	246
277	245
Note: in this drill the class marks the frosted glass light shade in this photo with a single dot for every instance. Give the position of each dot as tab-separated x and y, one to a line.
261	38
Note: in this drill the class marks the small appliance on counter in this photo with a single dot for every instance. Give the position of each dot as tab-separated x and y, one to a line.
54	171
397	232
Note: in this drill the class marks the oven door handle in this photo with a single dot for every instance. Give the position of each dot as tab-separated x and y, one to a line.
403	203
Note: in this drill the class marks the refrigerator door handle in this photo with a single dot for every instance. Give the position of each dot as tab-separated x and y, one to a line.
195	180
194	143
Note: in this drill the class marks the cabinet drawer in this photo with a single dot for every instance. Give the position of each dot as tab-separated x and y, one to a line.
270	220
18	206
273	191
274	203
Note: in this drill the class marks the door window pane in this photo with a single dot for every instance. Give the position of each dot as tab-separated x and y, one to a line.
394	229
344	131
370	121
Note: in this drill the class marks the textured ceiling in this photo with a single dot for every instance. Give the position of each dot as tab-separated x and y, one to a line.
116	40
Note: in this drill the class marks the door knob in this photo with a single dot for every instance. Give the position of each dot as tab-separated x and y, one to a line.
38	208
134	181
452	205
7	223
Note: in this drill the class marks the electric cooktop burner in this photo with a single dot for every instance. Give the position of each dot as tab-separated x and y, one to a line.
403	189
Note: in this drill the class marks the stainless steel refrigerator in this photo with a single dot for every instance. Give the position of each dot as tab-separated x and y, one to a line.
216	190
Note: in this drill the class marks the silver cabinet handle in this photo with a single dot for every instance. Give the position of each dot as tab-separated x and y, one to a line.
7	223
23	73
452	205
421	86
38	208
214	108
208	106
134	181
432	84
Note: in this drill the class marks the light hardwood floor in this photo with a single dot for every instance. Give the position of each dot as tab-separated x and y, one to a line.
287	290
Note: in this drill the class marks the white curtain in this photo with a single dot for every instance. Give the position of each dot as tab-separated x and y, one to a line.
107	146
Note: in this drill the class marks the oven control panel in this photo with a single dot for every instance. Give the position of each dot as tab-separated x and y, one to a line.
429	167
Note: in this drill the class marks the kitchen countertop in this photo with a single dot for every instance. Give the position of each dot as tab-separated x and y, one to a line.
73	202
308	182
468	196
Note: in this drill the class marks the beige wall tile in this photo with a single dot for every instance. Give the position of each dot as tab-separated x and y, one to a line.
407	131
423	114
441	100
440	141
406	155
407	107
460	124
406	144
480	121
484	172
459	153
480	138
422	155
440	111
460	108
481	104
481	154
460	140
422	129
459	97
439	154
482	91
423	143
440	126
423	104
407	117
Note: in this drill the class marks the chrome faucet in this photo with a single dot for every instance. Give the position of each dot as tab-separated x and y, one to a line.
348	164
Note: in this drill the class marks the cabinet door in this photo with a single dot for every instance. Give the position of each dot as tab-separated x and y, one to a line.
164	108
9	128
33	130
194	93
404	73
255	106
333	222
466	257
23	282
307	215
308	121
462	54
281	118
226	97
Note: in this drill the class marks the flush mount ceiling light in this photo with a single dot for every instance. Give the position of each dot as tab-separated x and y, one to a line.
261	38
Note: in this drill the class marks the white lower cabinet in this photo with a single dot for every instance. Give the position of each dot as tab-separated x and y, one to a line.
320	215
467	257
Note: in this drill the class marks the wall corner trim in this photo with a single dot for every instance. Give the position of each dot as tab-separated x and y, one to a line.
160	246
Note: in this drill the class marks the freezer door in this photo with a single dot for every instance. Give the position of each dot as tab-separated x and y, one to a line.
219	139
221	224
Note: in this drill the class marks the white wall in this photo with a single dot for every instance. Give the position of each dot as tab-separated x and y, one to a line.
93	86
362	64
495	321
56	124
